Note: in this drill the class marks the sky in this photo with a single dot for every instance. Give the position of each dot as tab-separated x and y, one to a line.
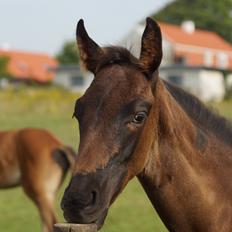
44	25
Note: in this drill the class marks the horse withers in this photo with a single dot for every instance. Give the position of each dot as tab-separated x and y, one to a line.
132	123
36	160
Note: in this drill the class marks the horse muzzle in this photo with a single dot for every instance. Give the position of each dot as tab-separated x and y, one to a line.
89	195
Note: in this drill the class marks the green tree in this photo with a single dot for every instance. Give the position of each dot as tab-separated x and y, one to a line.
213	15
68	54
4	61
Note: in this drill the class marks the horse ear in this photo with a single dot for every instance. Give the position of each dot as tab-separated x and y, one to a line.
151	47
89	51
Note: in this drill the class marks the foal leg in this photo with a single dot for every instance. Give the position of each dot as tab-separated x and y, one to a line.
45	204
47	214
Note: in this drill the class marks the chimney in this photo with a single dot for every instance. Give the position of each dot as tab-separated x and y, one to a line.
188	26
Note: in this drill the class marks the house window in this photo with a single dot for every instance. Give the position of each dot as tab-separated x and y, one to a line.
222	60
208	58
77	81
180	60
177	80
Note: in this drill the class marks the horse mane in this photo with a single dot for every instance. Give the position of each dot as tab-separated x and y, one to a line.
203	116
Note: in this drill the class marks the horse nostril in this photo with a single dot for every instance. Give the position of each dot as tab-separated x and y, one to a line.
94	197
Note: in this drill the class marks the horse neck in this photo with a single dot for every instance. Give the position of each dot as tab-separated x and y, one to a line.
176	178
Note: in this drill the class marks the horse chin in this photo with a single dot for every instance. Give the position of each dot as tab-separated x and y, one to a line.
100	221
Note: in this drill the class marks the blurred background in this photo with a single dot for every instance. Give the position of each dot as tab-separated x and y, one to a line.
40	77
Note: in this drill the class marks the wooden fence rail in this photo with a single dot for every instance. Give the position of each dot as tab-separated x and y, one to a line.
66	227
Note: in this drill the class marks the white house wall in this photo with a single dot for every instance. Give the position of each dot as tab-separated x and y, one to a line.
191	82
229	81
207	85
190	78
62	79
212	85
168	57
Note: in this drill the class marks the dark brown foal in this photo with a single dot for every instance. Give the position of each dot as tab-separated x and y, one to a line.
37	161
134	124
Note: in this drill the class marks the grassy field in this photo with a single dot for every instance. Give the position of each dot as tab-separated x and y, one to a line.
52	109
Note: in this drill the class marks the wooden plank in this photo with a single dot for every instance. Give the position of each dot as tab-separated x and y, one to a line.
67	227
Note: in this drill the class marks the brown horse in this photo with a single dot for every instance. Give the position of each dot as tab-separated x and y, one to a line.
134	124
37	161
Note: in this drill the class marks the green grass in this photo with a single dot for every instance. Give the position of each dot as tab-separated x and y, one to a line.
52	108
224	108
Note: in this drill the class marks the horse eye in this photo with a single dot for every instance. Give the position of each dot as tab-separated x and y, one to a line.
139	117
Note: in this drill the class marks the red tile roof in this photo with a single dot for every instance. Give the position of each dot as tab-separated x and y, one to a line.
30	66
201	38
193	46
